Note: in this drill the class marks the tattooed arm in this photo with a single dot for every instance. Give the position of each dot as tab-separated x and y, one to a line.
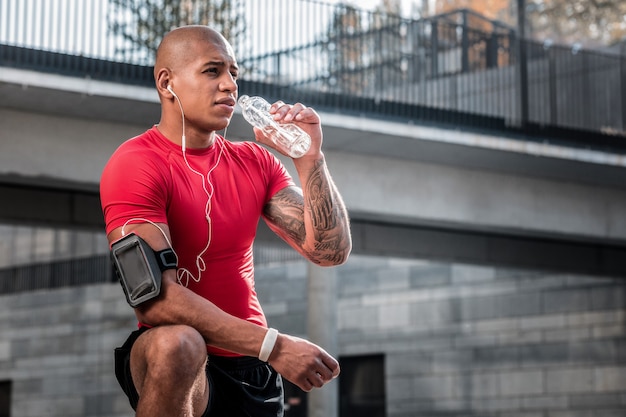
313	219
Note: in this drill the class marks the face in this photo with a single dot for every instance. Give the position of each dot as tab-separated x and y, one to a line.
207	85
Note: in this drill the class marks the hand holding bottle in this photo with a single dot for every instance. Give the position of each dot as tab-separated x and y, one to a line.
287	137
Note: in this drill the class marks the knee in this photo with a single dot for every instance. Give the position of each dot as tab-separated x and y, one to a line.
181	346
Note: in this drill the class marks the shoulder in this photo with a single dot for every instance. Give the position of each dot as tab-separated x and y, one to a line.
138	162
140	146
137	152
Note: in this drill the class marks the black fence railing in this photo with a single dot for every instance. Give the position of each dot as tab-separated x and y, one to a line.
66	273
458	66
98	269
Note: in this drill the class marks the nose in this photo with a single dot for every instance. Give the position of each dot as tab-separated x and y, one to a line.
229	83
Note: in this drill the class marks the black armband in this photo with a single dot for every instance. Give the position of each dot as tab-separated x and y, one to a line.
139	268
166	259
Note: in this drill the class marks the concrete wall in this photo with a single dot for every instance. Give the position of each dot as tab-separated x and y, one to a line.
56	348
463	340
467	340
459	340
64	148
477	199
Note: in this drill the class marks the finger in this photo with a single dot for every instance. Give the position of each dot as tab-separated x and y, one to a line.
260	135
307	115
276	105
286	112
297	111
306	385
332	364
316	380
325	374
325	378
279	109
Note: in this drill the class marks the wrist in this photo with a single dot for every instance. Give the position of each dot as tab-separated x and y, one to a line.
309	163
269	341
308	158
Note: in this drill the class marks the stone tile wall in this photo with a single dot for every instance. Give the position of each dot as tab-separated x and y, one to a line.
466	340
56	348
459	340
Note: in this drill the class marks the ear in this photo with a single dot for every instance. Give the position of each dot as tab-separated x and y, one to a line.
163	78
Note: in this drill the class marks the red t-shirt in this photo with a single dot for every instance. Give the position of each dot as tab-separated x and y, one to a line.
147	178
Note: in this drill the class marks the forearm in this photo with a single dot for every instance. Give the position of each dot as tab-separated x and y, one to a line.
327	239
178	305
298	360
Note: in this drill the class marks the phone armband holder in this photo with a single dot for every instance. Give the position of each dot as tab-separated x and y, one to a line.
139	267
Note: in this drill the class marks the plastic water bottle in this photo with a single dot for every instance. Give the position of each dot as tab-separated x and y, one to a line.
288	137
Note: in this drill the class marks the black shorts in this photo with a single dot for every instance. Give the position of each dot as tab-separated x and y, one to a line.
241	386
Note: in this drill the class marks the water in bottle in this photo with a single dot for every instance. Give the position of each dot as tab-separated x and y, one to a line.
292	140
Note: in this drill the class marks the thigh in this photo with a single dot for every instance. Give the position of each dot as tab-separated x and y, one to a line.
252	389
122	367
168	362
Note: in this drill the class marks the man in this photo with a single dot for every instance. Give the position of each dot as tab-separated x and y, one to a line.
183	186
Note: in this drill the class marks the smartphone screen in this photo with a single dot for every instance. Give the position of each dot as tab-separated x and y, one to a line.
134	271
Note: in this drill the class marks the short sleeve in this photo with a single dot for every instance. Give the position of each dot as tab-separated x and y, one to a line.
133	187
277	176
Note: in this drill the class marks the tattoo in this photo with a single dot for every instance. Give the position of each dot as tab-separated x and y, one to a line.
320	201
330	239
286	212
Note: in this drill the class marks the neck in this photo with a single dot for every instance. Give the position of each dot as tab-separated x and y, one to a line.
193	138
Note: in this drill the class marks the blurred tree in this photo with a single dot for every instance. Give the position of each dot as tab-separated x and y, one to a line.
588	22
141	24
389	7
502	10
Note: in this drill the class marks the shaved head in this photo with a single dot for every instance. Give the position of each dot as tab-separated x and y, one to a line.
195	74
179	47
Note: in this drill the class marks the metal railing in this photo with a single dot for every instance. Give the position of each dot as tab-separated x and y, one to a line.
454	68
66	273
98	269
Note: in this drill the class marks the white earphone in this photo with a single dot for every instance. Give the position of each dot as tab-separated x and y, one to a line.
183	274
171	90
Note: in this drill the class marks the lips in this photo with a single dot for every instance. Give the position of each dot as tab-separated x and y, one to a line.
227	101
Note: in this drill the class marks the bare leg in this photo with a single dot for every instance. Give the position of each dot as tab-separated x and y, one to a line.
168	368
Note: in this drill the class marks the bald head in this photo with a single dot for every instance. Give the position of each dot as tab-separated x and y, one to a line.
180	46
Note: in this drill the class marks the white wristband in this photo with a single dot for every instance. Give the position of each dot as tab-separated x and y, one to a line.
268	344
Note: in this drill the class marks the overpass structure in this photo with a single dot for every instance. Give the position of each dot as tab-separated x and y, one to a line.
434	191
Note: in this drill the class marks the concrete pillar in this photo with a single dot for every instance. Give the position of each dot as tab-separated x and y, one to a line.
322	330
